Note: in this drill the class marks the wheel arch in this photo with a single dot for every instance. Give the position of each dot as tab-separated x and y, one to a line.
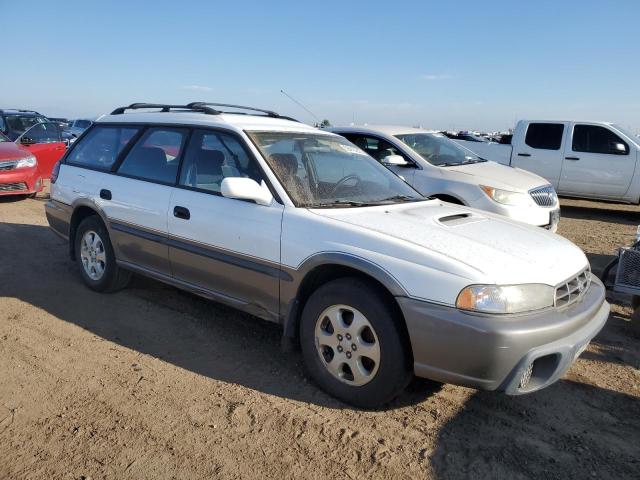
81	211
326	267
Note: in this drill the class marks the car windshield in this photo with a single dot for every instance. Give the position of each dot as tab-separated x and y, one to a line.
3	138
20	123
82	124
326	171
439	150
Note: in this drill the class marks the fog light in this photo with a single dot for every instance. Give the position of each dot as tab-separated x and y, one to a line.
526	376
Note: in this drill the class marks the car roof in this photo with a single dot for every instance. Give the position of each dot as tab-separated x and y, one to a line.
225	120
380	129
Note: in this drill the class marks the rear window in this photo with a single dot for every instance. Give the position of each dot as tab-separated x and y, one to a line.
101	146
545	136
156	156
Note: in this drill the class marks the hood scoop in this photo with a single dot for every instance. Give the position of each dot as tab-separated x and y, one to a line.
459	219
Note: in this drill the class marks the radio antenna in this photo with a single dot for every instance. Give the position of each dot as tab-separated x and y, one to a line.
300	105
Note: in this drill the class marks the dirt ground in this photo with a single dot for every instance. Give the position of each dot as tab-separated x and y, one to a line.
152	382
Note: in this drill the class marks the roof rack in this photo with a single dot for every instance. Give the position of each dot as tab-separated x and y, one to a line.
166	108
203	107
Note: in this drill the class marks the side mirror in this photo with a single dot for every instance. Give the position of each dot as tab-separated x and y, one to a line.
394	161
618	148
27	141
246	189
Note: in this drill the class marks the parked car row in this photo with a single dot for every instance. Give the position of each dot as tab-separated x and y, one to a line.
302	227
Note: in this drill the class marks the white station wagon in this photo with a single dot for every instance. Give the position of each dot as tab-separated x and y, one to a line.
300	227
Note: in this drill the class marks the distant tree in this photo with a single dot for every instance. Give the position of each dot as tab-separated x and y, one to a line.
325	123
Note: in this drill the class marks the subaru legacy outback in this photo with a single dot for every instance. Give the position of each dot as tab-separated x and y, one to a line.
300	227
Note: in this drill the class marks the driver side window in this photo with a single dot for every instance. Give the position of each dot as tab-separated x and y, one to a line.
213	156
44	133
375	147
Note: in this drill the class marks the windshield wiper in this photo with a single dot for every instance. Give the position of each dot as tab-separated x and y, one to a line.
402	198
341	203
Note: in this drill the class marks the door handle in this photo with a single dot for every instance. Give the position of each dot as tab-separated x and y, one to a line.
524	154
572	158
105	194
181	212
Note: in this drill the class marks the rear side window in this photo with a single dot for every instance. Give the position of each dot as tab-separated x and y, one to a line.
156	156
101	146
595	139
545	136
213	156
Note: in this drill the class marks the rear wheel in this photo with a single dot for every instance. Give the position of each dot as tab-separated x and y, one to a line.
94	254
352	343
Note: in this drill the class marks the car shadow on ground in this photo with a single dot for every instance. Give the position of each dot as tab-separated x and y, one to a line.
169	324
569	430
600	212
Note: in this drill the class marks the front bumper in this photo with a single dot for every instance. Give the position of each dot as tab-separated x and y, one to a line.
23	181
492	352
546	217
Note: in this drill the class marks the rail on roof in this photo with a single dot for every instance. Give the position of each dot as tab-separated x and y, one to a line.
202	107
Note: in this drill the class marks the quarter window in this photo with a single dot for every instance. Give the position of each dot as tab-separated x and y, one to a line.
100	147
595	139
545	136
213	156
156	156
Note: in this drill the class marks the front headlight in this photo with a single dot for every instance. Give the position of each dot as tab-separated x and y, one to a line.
506	197
27	162
506	298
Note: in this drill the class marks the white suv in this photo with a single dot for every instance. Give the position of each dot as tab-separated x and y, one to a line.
439	167
300	227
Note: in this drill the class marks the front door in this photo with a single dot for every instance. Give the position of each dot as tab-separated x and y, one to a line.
597	162
44	141
229	248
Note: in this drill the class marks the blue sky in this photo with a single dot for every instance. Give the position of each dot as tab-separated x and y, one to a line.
441	64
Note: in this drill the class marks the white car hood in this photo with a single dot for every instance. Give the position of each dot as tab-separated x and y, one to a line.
501	251
496	175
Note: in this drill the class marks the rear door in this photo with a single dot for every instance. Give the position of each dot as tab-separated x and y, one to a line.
130	173
538	148
597	163
229	248
44	140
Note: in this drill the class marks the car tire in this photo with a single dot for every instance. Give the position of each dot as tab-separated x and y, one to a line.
385	370
93	249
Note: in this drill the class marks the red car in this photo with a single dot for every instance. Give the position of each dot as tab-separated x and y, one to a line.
27	162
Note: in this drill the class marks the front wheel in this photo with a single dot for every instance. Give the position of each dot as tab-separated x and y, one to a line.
353	344
95	257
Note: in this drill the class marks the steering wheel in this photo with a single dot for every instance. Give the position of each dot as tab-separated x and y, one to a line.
344	180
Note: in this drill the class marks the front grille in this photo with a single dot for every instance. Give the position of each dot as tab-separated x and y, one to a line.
573	289
544	196
8	165
12	187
